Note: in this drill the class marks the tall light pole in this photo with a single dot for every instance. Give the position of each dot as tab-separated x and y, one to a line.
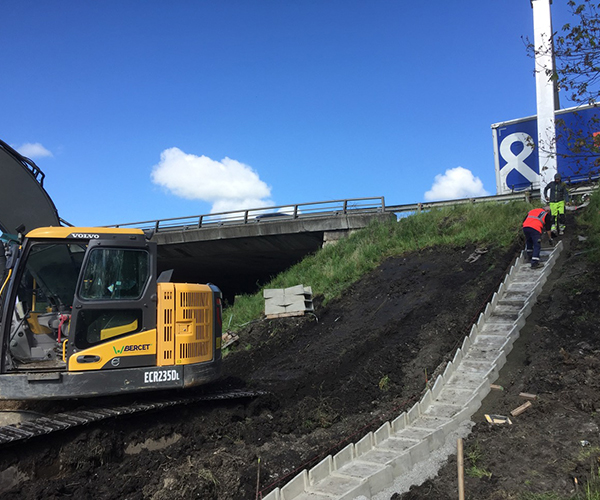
547	100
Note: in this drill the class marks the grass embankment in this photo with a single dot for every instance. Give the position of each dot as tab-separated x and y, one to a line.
331	270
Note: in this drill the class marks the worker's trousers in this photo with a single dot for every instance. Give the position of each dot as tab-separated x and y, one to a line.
557	211
533	243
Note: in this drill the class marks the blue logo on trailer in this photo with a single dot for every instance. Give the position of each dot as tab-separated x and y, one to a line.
517	155
517	149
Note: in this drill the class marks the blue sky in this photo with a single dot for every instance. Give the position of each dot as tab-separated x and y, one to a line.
137	110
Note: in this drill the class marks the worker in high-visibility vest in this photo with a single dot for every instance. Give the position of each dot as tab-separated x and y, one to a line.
557	194
537	221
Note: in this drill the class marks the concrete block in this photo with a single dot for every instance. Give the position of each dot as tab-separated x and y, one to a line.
482	391
413	413
466	344
480	322
288	300
399	463
398	445
419	452
274	495
454	395
382	433
449	370
320	471
399	423
273	308
341	487
458	355
487	312
473	333
465	380
364	445
495	329
465	414
490	341
472	365
434	429
343	457
426	400
508	346
311	496
494	301
376	475
295	487
526	309
381	479
295	290
269	293
295	303
437	386
444	410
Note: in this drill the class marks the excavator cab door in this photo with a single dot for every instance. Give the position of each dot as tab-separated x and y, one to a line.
115	295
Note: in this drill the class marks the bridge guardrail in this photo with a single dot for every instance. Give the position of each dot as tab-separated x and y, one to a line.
265	214
310	210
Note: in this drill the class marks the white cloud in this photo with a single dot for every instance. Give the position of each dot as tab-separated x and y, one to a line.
455	183
227	184
33	150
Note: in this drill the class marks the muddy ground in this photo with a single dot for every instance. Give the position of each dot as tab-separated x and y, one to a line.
335	374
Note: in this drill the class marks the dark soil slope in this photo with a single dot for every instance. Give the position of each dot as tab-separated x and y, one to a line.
334	375
554	446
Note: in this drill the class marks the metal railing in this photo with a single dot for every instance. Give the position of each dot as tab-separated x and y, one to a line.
263	215
499	198
317	209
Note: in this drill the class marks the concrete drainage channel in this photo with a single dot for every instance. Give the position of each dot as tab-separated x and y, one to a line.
369	466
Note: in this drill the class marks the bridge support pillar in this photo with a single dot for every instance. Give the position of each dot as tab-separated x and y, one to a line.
331	237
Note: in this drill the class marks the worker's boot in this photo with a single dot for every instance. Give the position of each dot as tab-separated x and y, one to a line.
535	264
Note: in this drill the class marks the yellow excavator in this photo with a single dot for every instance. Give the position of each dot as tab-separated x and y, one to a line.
83	312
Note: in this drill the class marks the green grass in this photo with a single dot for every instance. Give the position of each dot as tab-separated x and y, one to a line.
474	469
333	269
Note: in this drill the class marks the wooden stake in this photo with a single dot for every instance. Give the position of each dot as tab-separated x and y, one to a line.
257	478
520	409
461	470
526	395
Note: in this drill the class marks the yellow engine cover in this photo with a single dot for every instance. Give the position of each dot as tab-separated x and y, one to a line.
184	324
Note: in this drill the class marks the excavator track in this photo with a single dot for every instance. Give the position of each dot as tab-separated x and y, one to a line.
61	421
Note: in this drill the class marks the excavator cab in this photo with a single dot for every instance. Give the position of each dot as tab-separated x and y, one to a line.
83	315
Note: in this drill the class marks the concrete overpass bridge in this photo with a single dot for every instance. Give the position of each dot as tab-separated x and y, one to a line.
240	250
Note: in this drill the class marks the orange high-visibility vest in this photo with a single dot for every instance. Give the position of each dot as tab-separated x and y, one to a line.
536	219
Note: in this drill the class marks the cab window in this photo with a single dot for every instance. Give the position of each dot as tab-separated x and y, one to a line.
115	274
